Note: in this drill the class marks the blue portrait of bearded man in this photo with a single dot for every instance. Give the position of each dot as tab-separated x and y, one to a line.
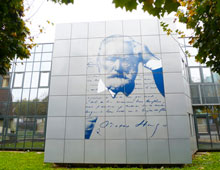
120	66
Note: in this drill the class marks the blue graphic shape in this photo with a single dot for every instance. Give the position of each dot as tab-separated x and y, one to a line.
158	79
90	124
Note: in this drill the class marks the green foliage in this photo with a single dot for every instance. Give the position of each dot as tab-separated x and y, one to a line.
154	7
12	33
202	16
34	161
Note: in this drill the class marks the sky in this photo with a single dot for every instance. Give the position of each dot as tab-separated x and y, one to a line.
42	11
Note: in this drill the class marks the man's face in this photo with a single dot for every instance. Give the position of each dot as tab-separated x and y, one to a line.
120	69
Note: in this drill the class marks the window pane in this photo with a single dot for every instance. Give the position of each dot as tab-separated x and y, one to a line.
29	66
25	94
216	77
33	94
42	108
209	94
16	95
44	79
19	67
192	51
36	66
31	57
199	110
43	94
195	75
192	62
24	108
46	56
45	66
48	48
38	48
27	80
35	79
14	109
4	95
18	80
3	108
218	90
207	77
37	57
195	94
32	108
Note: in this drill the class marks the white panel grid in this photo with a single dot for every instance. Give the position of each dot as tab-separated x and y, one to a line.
120	120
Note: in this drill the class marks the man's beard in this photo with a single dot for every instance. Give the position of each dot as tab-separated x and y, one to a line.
117	83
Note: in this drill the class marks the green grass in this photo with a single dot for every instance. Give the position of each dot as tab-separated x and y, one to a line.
34	161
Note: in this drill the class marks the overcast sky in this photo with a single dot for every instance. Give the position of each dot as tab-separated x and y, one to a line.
80	11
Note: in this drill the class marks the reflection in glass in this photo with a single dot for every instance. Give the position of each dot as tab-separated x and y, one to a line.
33	95
195	75
37	57
36	66
25	94
27	79
195	94
5	81
19	67
38	48
192	62
4	95
3	108
209	94
216	77
44	79
42	108
218	91
48	48
32	108
31	57
16	95
207	77
29	66
18	79
24	107
43	94
199	110
15	109
45	66
46	56
35	79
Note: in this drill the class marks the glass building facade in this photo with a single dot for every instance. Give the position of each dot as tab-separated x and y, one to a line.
24	101
205	95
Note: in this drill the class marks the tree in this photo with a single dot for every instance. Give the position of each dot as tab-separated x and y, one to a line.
202	16
14	32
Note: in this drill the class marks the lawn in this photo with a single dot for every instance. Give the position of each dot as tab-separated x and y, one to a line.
34	161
